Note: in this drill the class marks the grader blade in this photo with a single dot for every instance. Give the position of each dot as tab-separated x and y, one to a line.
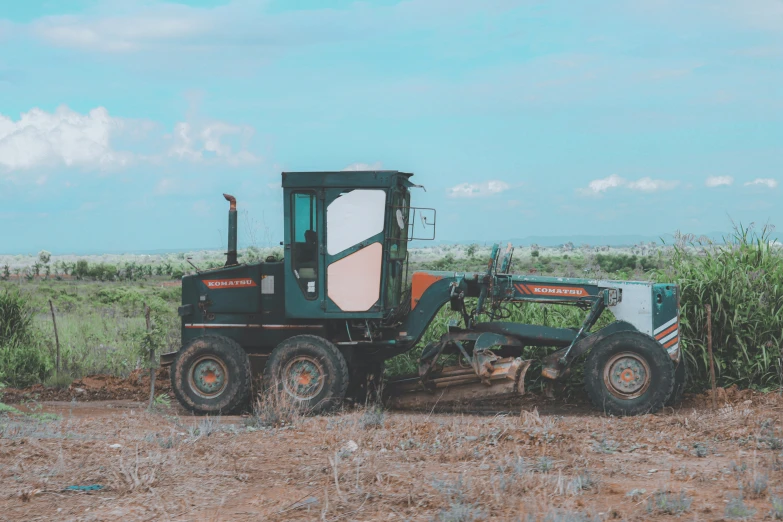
459	385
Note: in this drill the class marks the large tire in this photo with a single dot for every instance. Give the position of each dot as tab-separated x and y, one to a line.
310	370
680	377
211	375
628	373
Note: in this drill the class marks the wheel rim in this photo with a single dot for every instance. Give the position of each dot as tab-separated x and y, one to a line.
627	375
208	376
303	377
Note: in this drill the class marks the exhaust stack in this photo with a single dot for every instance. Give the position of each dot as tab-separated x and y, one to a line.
231	255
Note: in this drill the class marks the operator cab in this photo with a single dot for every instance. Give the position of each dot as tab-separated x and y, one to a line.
346	242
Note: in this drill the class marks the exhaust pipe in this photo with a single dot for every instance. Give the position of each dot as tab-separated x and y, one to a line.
231	255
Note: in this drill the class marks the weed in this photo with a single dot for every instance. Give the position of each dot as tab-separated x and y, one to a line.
373	417
581	482
700	449
636	493
545	464
5	408
274	408
163	400
605	446
737	510
738	469
61	381
666	503
757	486
460	509
461	513
777	508
570	516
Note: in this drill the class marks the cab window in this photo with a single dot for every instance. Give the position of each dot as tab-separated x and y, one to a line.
304	248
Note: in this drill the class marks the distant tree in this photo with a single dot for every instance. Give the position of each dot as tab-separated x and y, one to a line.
471	250
81	269
37	269
6	273
44	257
534	253
47	271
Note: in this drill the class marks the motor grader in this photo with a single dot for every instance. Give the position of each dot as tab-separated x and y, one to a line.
319	323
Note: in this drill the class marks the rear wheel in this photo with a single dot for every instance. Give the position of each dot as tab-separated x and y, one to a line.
310	370
211	375
628	373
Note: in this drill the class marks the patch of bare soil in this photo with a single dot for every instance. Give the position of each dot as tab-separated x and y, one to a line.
127	463
95	388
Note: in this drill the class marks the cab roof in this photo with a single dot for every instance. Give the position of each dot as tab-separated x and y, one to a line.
347	179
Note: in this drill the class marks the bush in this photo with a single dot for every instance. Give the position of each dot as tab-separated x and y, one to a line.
742	281
23	360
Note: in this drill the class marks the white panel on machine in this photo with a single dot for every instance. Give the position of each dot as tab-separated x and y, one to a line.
354	282
636	306
354	217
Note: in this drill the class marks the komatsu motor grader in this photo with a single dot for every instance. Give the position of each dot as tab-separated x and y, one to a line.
319	323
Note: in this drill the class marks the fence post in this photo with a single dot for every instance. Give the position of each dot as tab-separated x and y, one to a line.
56	342
152	357
712	359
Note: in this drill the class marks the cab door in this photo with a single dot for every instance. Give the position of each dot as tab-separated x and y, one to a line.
353	257
303	261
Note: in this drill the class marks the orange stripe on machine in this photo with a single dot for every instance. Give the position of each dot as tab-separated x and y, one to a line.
217	284
667	331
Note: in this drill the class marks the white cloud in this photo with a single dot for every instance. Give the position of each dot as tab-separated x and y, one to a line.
646	184
124	32
717	181
63	137
66	138
602	185
201	142
768	182
652	185
476	190
365	166
138	26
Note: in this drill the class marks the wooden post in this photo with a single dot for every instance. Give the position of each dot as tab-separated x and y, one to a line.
152	356
712	359
56	343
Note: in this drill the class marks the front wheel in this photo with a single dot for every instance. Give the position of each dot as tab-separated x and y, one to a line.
211	375
310	371
628	373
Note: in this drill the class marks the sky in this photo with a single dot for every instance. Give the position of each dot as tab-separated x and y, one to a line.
123	122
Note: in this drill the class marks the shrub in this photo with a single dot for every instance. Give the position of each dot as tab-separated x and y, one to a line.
742	281
23	361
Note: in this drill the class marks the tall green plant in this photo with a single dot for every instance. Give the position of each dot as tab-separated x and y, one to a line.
742	281
23	359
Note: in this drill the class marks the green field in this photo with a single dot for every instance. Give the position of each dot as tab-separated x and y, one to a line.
99	304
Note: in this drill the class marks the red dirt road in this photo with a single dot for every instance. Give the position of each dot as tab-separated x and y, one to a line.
355	465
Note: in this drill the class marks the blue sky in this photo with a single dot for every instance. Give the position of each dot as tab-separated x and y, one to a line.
122	122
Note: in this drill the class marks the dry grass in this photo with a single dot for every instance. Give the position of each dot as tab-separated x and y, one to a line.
367	464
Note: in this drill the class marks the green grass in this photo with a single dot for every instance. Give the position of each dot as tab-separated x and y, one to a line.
102	330
101	326
743	283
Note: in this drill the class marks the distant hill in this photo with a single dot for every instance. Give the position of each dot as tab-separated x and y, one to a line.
544	241
602	240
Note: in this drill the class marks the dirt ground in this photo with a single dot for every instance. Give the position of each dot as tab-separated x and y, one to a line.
537	460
